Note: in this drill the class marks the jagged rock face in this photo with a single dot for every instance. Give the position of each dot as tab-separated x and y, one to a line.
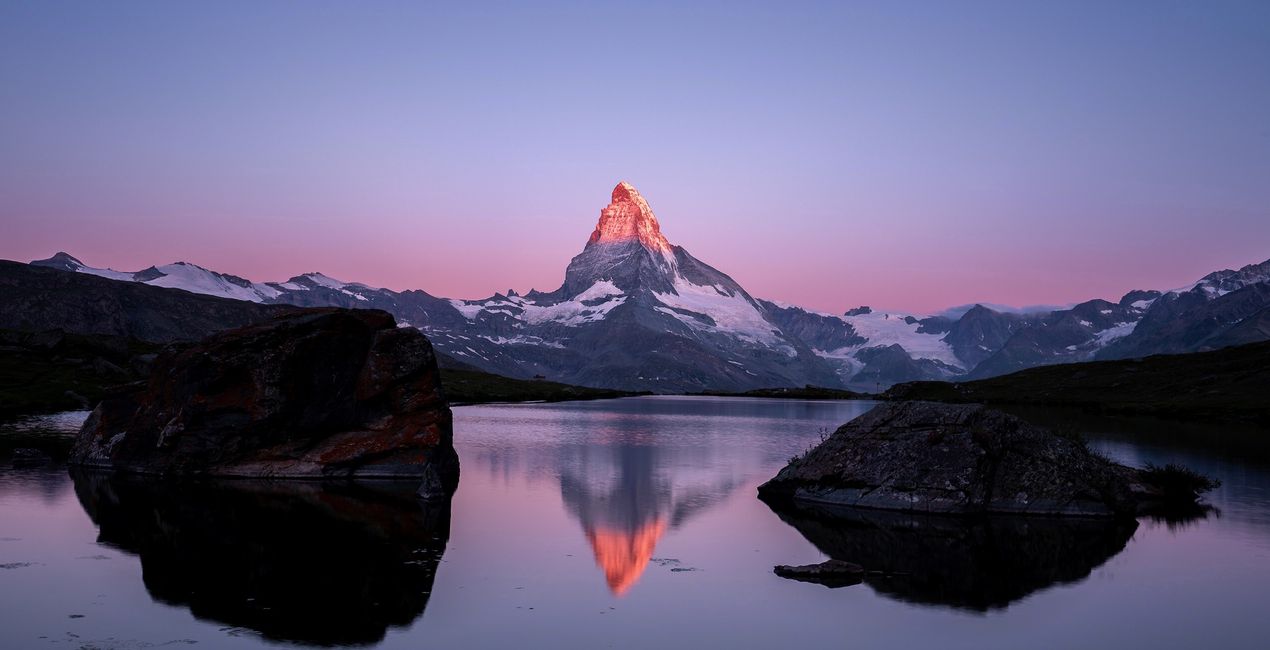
1063	336
626	248
1198	320
1139	298
628	218
891	363
980	332
957	459
817	331
636	311
326	393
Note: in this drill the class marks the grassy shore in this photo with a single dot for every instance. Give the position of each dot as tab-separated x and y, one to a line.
806	392
475	387
1231	384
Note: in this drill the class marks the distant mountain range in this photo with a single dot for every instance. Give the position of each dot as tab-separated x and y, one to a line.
638	313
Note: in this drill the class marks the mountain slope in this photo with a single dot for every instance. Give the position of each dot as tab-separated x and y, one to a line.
1227	384
36	299
636	312
1223	308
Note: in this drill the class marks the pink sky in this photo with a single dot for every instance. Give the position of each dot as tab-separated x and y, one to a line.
522	244
908	157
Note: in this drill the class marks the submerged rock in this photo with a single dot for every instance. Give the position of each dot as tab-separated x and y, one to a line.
830	573
958	459
315	394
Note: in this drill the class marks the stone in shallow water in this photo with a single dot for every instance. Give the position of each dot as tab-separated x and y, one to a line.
955	459
328	393
830	573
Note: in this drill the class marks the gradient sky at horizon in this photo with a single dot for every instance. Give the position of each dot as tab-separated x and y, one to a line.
904	155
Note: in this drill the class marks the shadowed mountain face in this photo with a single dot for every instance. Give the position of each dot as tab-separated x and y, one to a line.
304	563
976	564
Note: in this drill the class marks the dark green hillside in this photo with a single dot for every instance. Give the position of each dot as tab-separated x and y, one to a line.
1227	384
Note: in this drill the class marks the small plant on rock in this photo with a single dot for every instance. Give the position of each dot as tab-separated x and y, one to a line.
1178	483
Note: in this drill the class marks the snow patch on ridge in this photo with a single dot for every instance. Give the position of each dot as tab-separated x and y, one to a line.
732	313
469	311
196	279
886	329
109	274
601	289
1117	331
570	313
325	281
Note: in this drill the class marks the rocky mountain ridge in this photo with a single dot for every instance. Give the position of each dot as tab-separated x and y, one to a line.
636	312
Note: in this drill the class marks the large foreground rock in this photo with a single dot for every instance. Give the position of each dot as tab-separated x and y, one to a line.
959	459
317	394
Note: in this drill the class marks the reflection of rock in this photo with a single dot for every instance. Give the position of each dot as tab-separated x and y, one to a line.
301	562
830	573
963	459
315	393
968	563
626	500
28	457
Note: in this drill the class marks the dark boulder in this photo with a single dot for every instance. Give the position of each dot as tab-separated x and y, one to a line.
959	459
315	394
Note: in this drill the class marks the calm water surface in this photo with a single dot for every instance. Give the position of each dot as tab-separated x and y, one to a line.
616	524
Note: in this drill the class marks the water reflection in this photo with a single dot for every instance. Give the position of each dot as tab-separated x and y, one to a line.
631	471
967	563
300	562
626	498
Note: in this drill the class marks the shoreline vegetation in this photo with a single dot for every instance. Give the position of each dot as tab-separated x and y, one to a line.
806	392
470	387
1229	384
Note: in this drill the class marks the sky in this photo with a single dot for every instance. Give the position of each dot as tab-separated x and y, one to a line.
905	155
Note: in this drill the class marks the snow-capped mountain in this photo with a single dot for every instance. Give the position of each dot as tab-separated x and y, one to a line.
177	275
637	312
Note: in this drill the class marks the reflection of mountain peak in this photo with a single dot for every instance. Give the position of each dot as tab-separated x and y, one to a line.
624	554
626	499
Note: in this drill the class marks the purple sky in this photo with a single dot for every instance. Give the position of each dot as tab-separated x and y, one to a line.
908	156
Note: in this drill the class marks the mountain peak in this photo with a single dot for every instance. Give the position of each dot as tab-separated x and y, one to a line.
61	260
628	218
